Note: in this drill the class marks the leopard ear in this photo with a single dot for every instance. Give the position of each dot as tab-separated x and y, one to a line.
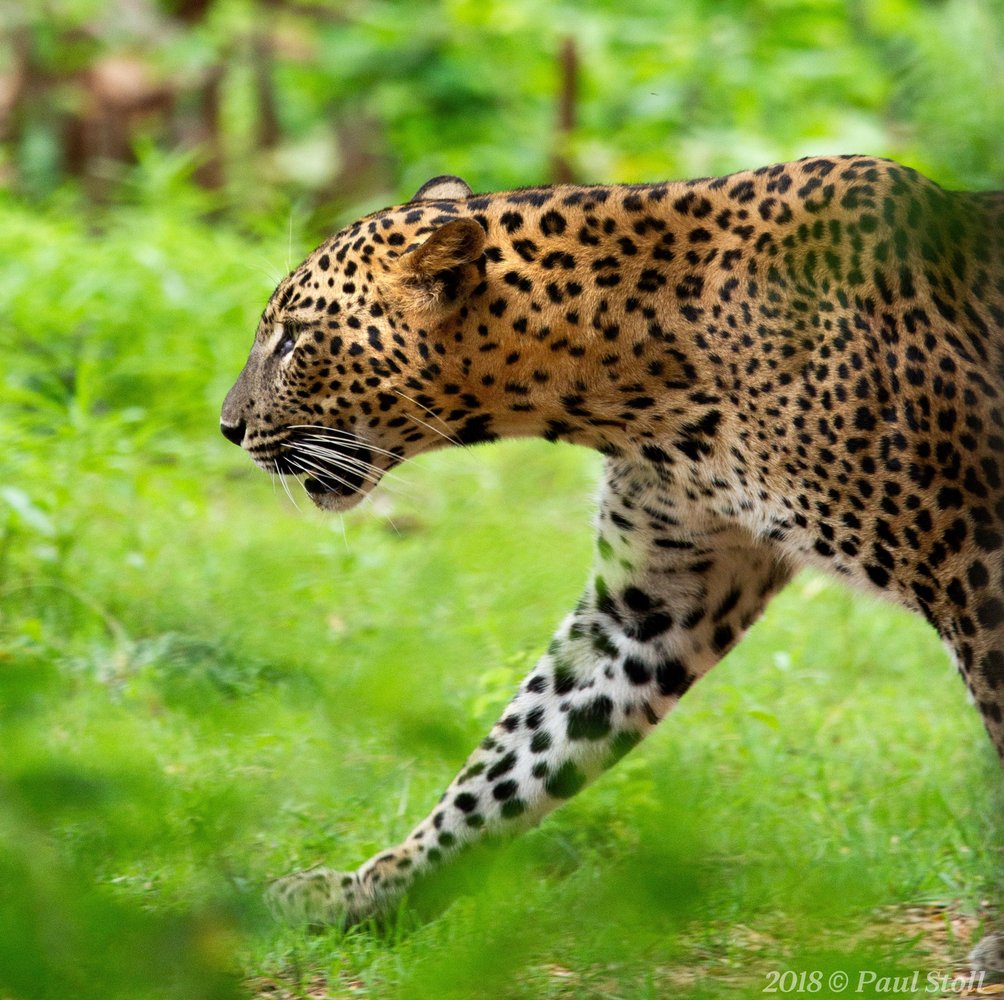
459	241
443	188
440	273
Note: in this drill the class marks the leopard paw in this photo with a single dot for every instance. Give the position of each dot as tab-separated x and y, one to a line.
319	896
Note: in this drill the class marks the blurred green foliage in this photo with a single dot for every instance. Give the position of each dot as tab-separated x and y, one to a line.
372	97
201	687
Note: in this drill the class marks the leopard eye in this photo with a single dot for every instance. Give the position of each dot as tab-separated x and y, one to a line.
288	341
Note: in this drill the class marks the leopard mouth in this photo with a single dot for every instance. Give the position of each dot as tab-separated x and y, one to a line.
337	471
336	474
334	495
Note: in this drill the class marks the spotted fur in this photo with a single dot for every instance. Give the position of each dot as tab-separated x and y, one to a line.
798	365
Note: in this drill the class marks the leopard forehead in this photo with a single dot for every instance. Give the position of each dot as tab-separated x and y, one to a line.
343	272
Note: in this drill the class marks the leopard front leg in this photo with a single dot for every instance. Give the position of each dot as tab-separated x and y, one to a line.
664	605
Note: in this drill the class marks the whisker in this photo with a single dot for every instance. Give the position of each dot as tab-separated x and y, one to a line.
372	474
322	432
448	435
390	521
266	268
366	469
315	470
428	426
285	485
320	439
337	458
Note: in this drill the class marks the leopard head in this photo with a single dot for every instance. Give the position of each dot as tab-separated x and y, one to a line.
350	372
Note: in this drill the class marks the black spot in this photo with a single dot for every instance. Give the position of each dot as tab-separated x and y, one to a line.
956	592
541	741
505	790
743	192
517	280
729	602
513	808
501	766
552	223
877	575
987	539
672	677
527	249
723	638
590	721
637	600
465	802
977	575
476	430
535	717
991	613
564	678
653	453
636	671
864	419
992	666
652	625
565	782
511	221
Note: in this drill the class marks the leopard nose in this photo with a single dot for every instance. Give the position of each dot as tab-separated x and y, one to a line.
234	432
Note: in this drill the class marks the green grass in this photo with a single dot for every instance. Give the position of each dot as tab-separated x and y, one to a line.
202	687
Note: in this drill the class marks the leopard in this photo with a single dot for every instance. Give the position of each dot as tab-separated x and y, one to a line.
800	365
